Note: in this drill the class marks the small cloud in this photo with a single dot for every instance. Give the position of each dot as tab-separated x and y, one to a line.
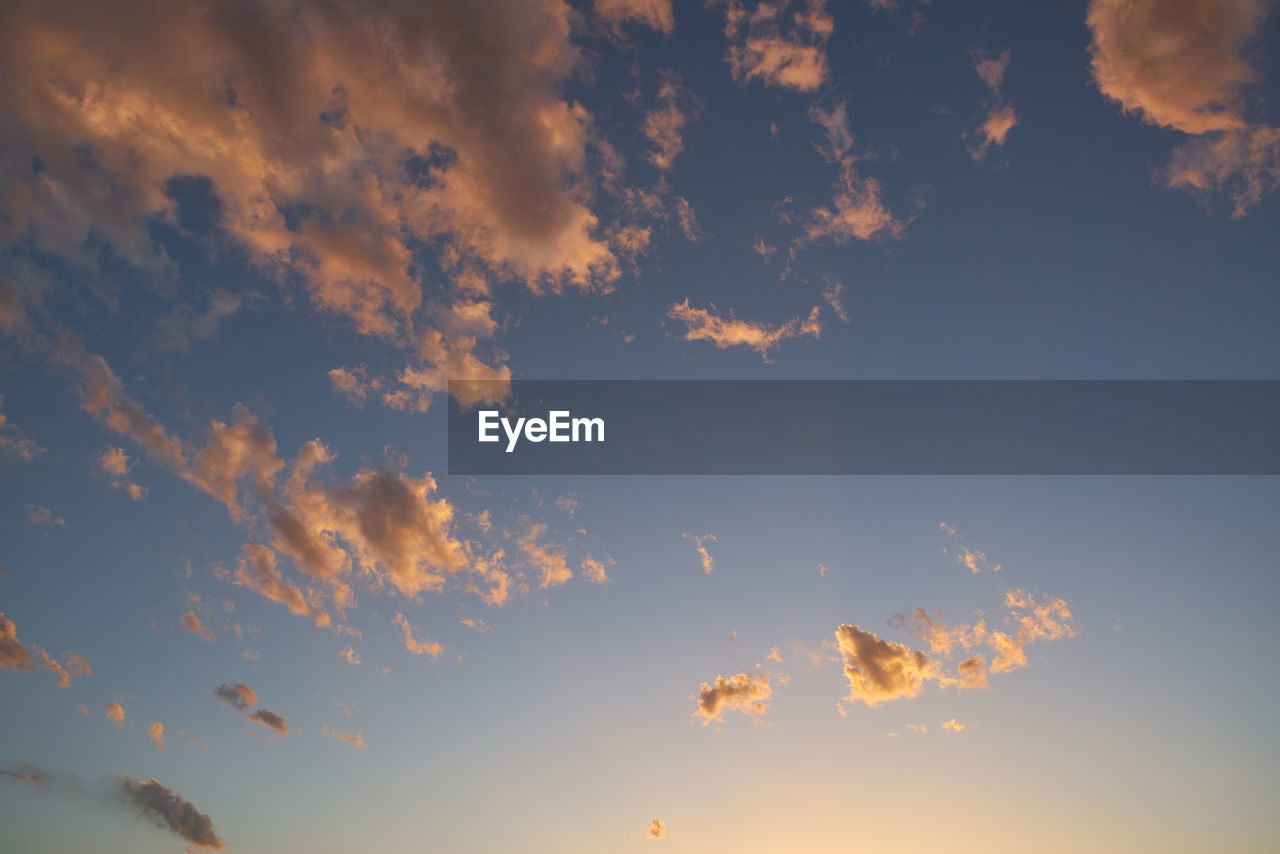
704	556
351	656
953	725
38	515
414	645
656	829
114	712
741	692
167	810
157	733
595	571
356	740
193	624
723	332
238	696
270	719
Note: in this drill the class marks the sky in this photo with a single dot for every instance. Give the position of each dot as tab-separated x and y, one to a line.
244	246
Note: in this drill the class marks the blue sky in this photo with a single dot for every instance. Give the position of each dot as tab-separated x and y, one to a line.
232	240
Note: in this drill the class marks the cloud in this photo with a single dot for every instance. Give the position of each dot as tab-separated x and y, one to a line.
880	670
663	125
12	439
942	641
724	332
973	672
168	811
356	740
183	324
15	656
157	733
116	463
953	725
415	646
270	719
704	556
38	515
257	571
349	654
1183	66
193	624
595	570
975	560
741	692
551	565
1046	620
999	116
374	129
687	220
114	712
777	46
856	209
656	829
238	696
651	13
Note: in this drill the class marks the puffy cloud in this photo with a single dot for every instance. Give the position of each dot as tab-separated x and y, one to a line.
349	654
741	692
973	672
374	128
15	656
724	332
777	46
953	725
663	125
704	556
257	571
880	670
270	719
157	733
168	811
192	623
238	696
391	523
12	439
551	565
595	570
114	712
656	829
652	13
1181	64
415	645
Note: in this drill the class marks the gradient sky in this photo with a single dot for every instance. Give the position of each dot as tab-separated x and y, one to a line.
245	245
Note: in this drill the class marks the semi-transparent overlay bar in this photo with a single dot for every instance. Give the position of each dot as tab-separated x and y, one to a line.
864	427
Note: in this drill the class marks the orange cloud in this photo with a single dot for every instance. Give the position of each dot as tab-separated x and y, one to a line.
1183	66
257	571
157	733
1000	117
704	556
724	332
12	440
741	692
551	565
193	624
656	829
663	125
270	719
595	571
779	47
878	670
115	712
953	725
415	646
15	656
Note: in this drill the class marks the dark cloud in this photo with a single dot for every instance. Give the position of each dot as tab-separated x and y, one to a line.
271	719
169	811
238	696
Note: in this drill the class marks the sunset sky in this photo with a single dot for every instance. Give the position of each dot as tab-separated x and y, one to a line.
245	245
